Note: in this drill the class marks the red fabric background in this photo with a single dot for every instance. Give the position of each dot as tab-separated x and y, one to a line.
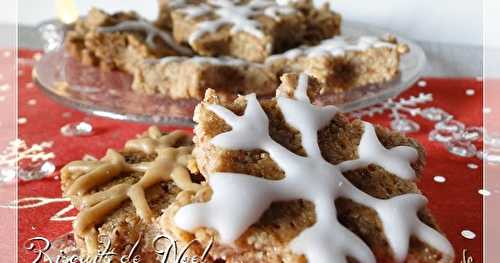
456	203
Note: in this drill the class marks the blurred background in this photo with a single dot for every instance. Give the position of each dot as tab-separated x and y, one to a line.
448	21
451	31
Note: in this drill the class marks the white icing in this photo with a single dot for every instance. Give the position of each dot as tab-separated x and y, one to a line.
194	11
276	12
301	91
239	200
335	47
286	2
151	31
396	160
220	61
176	3
302	115
240	16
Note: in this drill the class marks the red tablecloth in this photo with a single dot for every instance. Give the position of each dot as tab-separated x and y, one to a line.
456	203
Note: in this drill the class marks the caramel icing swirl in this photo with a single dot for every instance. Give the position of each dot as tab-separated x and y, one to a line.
170	164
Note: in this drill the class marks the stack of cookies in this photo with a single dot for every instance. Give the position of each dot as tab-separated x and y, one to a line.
234	47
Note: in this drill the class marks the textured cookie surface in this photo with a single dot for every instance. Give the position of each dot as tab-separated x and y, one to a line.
118	41
267	239
343	63
121	196
190	77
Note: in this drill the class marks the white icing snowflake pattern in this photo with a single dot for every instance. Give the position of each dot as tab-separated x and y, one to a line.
219	61
333	47
152	33
230	12
327	239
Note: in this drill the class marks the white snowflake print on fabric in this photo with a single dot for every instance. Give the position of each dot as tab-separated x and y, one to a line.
17	152
455	136
37	202
400	108
327	240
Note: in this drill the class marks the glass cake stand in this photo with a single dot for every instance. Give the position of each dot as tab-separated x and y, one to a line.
108	94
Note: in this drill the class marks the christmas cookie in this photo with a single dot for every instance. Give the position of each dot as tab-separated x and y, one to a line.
119	41
342	63
247	29
289	181
190	77
121	196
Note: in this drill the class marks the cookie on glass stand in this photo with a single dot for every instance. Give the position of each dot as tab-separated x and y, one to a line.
118	41
344	63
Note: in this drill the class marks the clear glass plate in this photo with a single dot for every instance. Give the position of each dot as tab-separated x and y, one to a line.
109	94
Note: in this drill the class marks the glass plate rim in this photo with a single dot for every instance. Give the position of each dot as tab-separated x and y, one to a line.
380	96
